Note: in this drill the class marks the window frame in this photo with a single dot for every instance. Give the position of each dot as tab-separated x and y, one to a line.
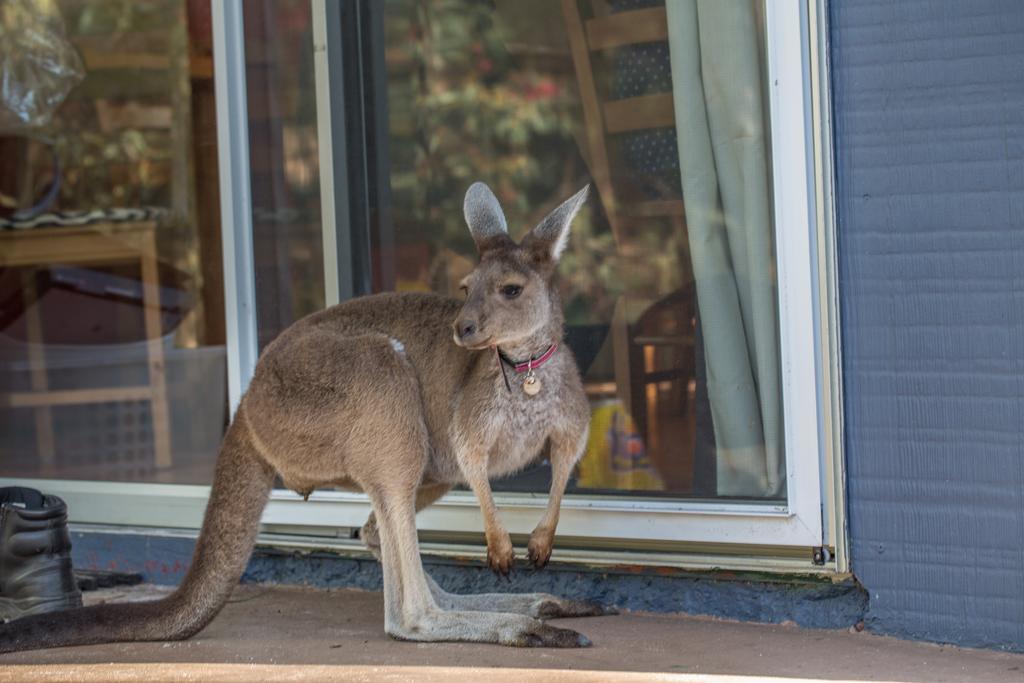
796	523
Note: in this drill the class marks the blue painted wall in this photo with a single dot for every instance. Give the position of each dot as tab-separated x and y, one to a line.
929	123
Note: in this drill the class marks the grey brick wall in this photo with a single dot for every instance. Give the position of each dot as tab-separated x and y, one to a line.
929	125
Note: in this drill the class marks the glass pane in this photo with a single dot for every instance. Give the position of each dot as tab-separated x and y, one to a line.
112	357
287	238
668	281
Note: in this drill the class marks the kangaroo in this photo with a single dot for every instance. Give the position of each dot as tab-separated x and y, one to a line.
401	396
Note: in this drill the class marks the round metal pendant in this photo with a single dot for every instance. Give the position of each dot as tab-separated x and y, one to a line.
531	385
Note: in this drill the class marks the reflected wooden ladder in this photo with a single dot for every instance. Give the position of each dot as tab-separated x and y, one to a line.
635	353
611	117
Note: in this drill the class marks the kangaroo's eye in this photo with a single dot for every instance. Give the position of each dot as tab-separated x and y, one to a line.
464	289
511	291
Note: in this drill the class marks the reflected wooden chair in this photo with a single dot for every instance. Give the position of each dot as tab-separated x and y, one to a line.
95	244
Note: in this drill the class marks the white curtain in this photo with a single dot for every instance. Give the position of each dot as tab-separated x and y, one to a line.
721	120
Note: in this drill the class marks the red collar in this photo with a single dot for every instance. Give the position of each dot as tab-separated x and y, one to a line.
532	363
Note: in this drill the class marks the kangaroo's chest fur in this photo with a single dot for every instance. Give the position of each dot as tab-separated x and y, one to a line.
512	426
525	426
502	423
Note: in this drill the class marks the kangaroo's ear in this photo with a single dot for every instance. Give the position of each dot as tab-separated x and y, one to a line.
548	240
484	217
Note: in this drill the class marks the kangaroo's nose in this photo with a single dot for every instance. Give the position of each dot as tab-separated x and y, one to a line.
465	328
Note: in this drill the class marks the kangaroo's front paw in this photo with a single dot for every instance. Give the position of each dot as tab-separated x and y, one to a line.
500	555
538	552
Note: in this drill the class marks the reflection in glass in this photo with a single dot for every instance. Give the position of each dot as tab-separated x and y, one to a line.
668	282
112	360
287	238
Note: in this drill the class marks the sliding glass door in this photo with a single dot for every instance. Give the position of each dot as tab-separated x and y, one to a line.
688	284
694	287
669	281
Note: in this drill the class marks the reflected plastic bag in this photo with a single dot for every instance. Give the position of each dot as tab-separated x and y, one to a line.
38	66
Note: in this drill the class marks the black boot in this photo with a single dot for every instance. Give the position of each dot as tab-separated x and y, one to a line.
35	555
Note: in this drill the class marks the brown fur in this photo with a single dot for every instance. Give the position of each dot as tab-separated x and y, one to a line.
378	395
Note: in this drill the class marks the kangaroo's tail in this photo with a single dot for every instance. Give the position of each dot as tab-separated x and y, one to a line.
241	484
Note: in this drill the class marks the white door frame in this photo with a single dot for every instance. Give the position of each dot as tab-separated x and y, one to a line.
797	522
